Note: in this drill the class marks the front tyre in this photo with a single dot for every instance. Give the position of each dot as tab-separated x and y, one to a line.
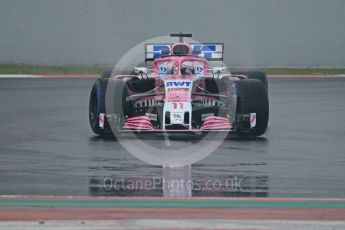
251	98
97	107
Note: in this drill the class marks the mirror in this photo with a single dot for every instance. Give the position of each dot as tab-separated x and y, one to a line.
141	70
218	70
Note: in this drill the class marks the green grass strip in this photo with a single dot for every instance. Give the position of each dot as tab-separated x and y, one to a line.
301	71
173	203
50	70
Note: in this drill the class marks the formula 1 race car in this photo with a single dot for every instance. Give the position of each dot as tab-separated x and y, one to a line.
182	92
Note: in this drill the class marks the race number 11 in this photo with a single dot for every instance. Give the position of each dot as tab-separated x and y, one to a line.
175	104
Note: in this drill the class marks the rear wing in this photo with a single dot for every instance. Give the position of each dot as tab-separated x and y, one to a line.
210	51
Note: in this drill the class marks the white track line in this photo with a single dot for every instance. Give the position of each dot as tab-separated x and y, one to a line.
171	224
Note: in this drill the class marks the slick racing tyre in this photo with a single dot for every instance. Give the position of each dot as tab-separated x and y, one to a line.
97	107
120	92
106	74
252	98
118	108
261	76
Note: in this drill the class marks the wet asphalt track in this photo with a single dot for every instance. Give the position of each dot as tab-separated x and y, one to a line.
47	147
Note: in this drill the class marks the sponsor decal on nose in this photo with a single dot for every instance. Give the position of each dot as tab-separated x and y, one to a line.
178	84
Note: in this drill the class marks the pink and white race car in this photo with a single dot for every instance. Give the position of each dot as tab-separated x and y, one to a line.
183	91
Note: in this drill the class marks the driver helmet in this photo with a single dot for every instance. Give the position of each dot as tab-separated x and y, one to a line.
187	70
175	69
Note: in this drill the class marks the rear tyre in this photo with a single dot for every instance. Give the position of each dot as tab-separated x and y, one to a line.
106	74
252	98
121	92
118	108
261	76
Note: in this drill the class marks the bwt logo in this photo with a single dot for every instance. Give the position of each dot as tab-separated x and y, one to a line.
178	84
